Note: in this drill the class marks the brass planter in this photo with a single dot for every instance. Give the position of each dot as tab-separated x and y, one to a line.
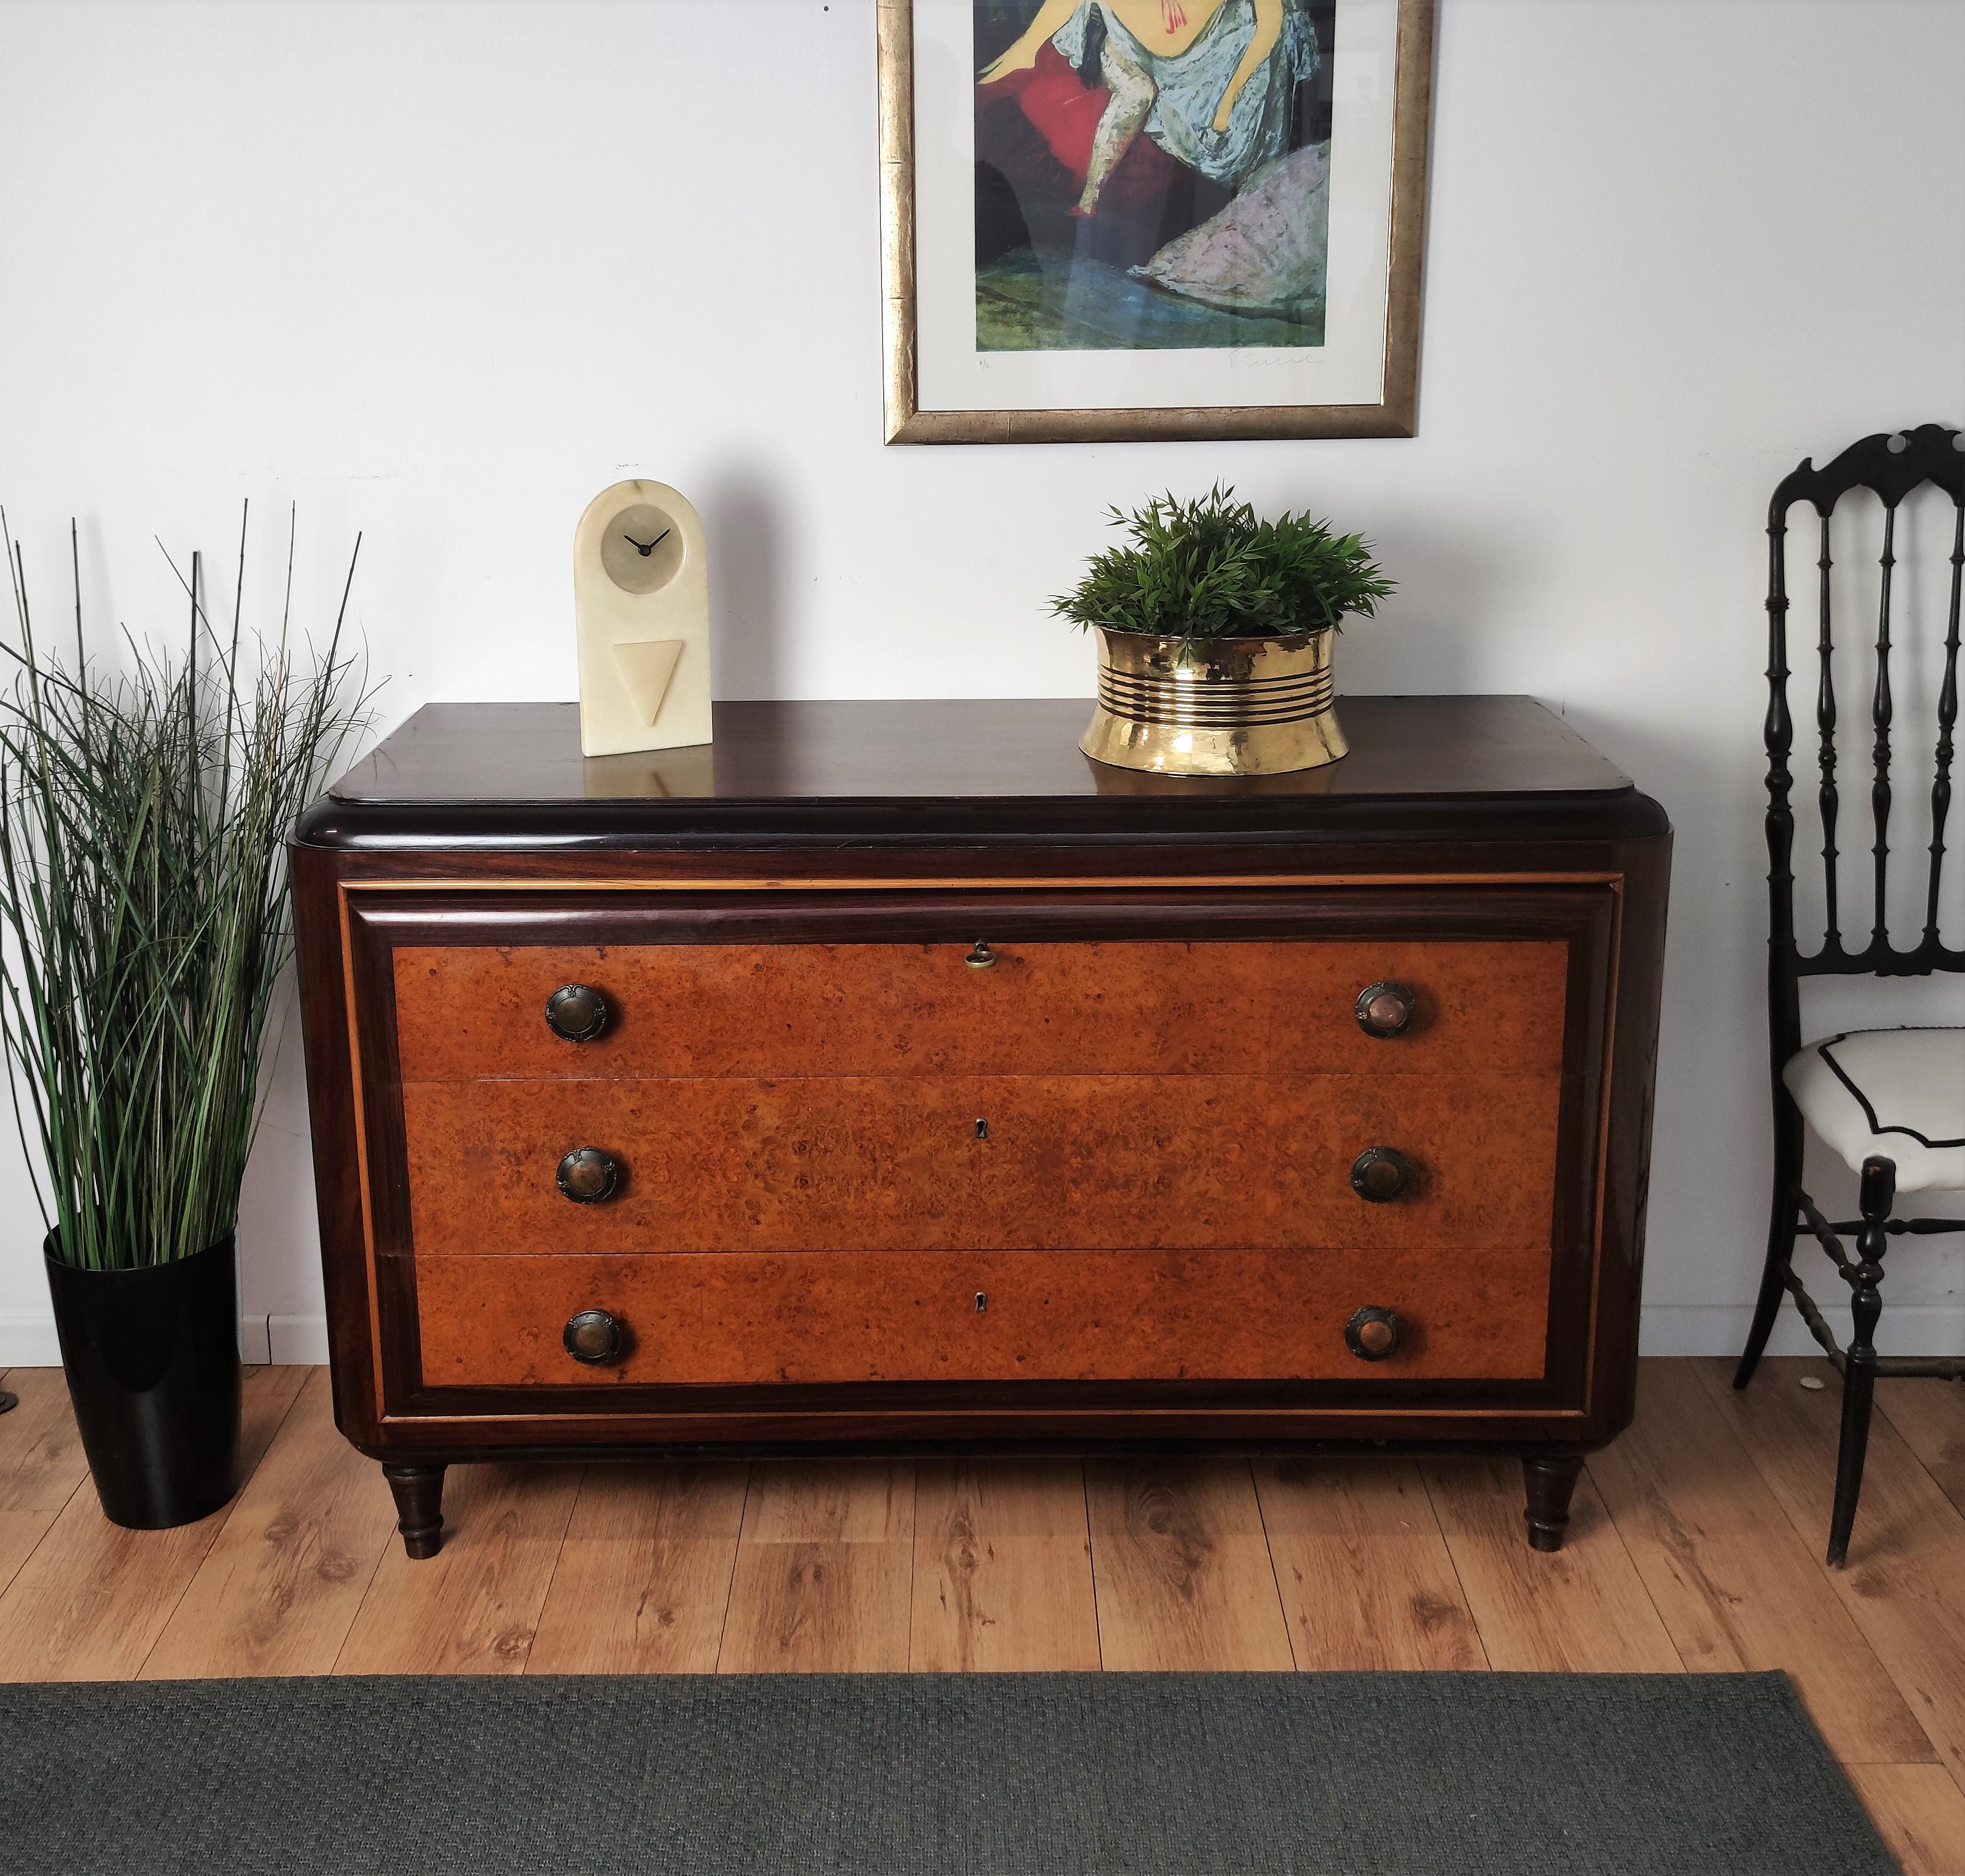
1238	706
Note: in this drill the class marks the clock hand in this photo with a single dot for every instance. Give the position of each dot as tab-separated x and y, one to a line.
649	548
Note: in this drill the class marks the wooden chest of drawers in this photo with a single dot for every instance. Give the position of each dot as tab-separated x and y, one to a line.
889	1075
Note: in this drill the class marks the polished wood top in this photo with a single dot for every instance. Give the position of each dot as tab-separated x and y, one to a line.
513	774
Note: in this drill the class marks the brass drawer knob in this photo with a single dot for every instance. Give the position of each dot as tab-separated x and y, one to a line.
587	1175
578	1012
1380	1173
981	957
1386	1010
1373	1333
593	1337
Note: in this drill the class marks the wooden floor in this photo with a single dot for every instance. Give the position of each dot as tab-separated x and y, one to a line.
1695	1547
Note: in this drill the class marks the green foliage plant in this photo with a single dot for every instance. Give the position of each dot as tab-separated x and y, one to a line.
144	917
1207	569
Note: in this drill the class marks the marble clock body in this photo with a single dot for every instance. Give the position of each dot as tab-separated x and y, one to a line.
641	592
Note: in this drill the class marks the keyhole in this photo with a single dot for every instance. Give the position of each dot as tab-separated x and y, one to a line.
982	1130
981	1302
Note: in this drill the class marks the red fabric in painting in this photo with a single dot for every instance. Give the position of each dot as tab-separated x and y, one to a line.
1061	108
1066	112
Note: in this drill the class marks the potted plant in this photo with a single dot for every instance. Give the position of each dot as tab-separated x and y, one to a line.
1215	632
144	908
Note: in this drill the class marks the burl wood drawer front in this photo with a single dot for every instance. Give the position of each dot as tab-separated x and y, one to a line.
891	1316
1045	1008
1110	1162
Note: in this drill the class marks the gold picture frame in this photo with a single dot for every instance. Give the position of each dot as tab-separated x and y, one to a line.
1395	411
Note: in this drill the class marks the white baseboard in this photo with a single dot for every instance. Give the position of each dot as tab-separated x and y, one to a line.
291	1340
1719	1328
28	1341
1668	1328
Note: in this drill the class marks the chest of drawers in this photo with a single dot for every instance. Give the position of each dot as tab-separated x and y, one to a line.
890	1075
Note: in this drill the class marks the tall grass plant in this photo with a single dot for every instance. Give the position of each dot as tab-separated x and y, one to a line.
144	914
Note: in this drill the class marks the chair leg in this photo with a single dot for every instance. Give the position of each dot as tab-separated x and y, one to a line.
1782	1226
1878	1193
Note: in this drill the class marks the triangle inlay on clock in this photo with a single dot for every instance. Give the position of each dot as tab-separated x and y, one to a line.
646	667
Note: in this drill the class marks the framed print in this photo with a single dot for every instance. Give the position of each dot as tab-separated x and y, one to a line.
1148	218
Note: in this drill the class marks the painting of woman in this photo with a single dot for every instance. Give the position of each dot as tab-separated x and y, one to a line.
1150	173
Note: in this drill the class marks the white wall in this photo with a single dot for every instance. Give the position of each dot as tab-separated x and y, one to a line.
441	271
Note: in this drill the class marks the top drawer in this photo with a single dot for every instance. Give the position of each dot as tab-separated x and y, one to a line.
466	1012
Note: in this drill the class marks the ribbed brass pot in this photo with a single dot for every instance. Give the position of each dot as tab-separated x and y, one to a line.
1238	706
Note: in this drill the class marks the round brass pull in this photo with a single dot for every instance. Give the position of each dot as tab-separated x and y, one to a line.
593	1337
1380	1173
981	957
1386	1010
587	1175
578	1012
1373	1333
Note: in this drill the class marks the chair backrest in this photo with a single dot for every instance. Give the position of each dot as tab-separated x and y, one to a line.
1891	466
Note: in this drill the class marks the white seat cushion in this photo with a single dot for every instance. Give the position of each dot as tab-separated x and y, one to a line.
1895	1094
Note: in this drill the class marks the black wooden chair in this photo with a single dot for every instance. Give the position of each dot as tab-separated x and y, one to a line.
1891	1102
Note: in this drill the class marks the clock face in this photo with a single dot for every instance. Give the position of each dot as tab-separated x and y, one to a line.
641	549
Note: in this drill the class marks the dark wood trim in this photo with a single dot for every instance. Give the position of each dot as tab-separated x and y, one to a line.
845	1436
320	964
899	916
992	865
1626	1178
723	1411
473	778
624	828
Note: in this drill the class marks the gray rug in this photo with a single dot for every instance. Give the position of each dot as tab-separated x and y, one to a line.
1431	1774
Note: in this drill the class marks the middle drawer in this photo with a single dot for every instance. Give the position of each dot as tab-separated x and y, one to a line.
1029	1162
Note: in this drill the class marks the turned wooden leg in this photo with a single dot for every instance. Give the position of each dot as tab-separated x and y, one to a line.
419	1495
1550	1482
1783	1227
1878	1193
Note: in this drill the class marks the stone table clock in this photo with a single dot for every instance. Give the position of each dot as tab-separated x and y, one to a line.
641	594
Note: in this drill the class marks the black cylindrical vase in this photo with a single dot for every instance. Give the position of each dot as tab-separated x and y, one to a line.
152	1358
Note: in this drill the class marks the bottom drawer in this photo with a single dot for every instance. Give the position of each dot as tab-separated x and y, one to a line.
737	1318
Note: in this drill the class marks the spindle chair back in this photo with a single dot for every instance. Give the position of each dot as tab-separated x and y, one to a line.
1891	467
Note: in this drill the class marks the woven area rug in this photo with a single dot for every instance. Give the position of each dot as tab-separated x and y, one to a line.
1436	1775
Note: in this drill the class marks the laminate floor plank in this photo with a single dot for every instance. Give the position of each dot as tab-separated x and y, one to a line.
823	1578
474	1608
1921	1814
1931	1416
1904	1585
1040	1564
643	1580
1581	1610
1366	1579
41	1462
91	1599
1003	1567
1182	1568
280	1589
1730	1575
